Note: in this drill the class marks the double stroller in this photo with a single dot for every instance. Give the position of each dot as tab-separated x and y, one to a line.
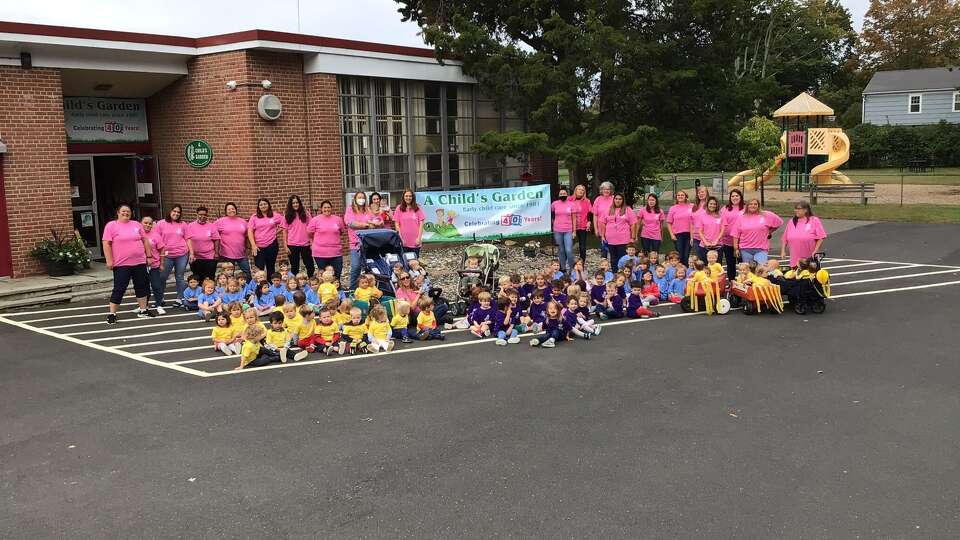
380	249
483	273
810	288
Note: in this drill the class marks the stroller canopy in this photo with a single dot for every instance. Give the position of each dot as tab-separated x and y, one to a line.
488	254
378	243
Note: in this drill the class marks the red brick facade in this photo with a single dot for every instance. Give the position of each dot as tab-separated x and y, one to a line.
36	177
323	139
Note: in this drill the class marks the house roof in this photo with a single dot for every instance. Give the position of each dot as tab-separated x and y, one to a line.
906	80
803	105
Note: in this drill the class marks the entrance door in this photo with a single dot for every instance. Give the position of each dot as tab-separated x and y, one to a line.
83	197
148	186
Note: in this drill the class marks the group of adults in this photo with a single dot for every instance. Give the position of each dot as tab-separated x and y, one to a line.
739	230
146	252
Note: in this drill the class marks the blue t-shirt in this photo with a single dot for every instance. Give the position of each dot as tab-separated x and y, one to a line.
190	295
664	285
204	298
226	297
623	261
678	287
265	301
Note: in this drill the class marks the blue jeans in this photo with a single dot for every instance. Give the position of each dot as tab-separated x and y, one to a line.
503	335
754	254
354	268
335	262
178	265
157	285
604	249
616	251
556	335
121	278
244	264
683	246
564	241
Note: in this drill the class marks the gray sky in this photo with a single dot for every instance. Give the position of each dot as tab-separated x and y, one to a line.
367	20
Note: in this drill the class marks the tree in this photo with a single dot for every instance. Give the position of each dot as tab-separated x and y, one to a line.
759	143
909	34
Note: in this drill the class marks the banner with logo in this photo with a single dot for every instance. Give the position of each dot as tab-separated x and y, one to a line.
485	214
105	120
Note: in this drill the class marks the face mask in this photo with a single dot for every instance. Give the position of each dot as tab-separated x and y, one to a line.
361	202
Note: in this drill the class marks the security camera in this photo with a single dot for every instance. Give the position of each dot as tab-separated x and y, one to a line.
266	84
231	85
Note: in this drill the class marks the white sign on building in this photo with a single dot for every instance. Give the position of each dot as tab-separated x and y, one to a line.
105	120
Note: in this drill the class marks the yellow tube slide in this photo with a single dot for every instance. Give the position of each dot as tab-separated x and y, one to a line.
826	173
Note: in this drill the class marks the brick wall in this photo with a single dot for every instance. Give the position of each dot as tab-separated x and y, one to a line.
36	176
324	138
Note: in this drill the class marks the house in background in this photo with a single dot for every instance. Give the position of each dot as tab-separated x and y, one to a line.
913	97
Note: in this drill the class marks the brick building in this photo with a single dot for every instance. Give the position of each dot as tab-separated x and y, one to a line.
90	119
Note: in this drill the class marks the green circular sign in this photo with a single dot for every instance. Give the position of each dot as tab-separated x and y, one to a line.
198	154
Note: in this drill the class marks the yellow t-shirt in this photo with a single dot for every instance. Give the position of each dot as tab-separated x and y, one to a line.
223	334
399	321
326	332
379	330
306	328
327	292
716	270
426	320
249	352
341	318
292	324
356	331
366	293
277	308
278	338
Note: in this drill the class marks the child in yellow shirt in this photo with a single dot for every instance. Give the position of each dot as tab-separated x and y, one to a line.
292	320
715	269
278	339
253	354
378	330
342	315
327	291
426	321
225	338
400	321
366	289
327	334
354	331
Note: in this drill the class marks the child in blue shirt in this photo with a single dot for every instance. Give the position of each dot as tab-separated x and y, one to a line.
678	287
232	292
662	281
276	284
208	301
264	302
630	256
190	294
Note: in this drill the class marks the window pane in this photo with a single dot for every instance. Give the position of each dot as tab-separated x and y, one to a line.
389	164
427	144
485	125
397	181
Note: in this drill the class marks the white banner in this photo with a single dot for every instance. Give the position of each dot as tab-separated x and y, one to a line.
485	214
105	120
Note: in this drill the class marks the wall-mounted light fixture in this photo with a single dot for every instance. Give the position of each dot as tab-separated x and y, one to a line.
265	84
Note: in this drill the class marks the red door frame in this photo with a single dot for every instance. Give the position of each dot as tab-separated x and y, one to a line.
6	252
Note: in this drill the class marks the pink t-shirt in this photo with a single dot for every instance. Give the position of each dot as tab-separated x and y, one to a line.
652	224
583	212
730	218
327	232
694	216
352	217
233	237
711	226
297	230
752	229
408	225
202	237
679	218
264	228
563	215
601	207
802	237
173	235
156	245
618	227
126	240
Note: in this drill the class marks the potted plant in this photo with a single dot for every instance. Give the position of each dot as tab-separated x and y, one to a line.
61	253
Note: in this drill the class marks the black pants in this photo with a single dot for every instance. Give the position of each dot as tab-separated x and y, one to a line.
335	262
730	260
649	244
617	251
301	252
683	246
121	278
582	245
264	357
266	258
702	252
204	269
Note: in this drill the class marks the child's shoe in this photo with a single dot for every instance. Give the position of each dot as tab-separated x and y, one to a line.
501	342
299	355
283	356
514	340
391	345
328	350
586	336
596	330
310	348
550	343
486	333
406	339
603	316
534	342
341	348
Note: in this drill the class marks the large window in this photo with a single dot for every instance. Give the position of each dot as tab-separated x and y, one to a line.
397	134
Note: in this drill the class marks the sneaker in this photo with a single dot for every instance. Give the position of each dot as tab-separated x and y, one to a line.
391	345
501	342
160	310
361	347
112	318
550	343
310	349
586	335
299	356
462	324
144	313
534	342
603	317
283	356
177	303
486	333
596	330
514	340
449	326
406	339
342	347
328	350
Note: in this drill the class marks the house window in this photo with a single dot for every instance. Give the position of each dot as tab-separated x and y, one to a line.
915	103
956	102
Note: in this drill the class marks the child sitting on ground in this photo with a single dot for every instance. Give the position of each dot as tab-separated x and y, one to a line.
426	321
663	284
327	333
650	292
354	331
292	320
344	310
253	354
378	330
537	314
222	280
598	293
569	315
678	286
276	284
481	318
278	339
292	287
503	326
400	321
613	303
584	322
190	294
554	328
311	292
283	268
208	301
233	292
225	337
328	287
630	257
635	306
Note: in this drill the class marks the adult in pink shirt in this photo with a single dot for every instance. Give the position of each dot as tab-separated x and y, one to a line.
233	238
803	235
601	207
619	228
751	234
699	205
203	243
651	220
325	232
262	230
155	269
730	214
679	223
357	217
709	226
294	226
584	207
127	251
408	220
173	233
564	216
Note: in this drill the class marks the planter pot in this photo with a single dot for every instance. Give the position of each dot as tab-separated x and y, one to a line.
56	269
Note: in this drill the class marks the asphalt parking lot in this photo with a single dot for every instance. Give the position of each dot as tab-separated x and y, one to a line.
820	426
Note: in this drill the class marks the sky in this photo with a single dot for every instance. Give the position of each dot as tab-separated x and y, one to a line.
365	20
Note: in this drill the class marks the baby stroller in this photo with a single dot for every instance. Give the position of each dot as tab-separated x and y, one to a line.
380	249
484	275
810	292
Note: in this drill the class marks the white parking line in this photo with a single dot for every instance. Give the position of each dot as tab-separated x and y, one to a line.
895	262
205	330
130	345
101	307
210	359
831	268
120	327
896	277
882	291
104	314
888	269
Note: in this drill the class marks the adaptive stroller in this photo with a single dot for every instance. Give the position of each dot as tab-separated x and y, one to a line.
809	290
380	249
484	275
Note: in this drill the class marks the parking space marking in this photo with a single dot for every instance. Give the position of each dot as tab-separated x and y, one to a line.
206	331
180	340
887	269
882	291
906	276
849	265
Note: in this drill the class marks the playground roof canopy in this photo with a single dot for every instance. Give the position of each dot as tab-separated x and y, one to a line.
803	105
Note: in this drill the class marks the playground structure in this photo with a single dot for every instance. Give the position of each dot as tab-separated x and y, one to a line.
809	152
